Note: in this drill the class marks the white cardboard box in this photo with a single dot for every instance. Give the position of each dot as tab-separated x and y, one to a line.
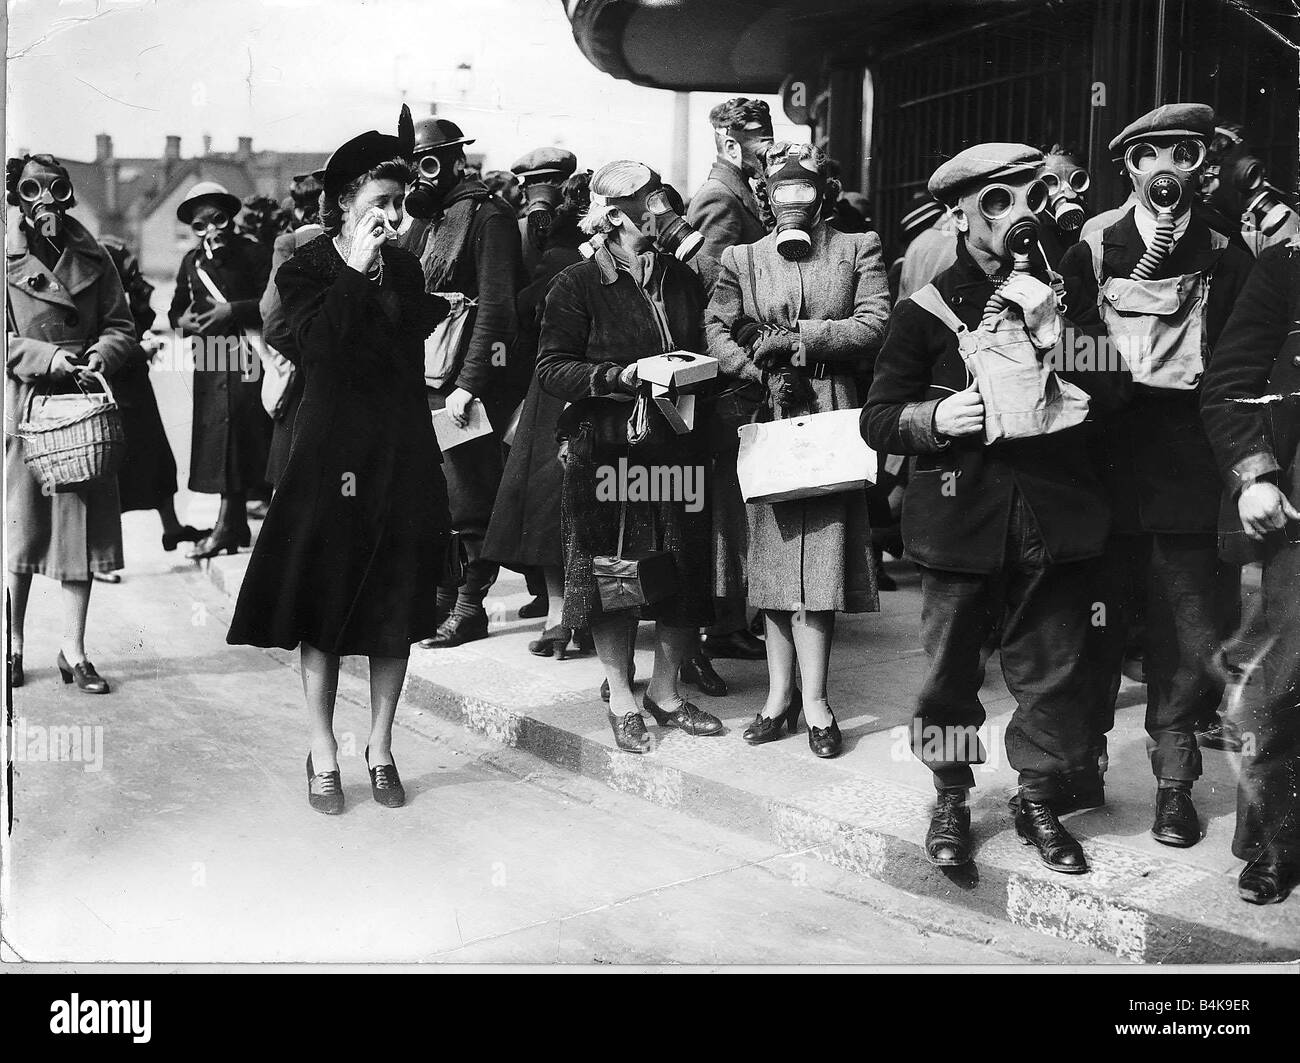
683	368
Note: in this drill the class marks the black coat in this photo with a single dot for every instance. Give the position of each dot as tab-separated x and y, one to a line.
963	529
1258	354
1154	457
525	526
231	433
356	537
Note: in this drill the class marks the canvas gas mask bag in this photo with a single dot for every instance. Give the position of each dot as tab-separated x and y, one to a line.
1157	325
1023	396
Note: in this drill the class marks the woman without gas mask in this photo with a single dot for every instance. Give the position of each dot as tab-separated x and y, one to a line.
355	538
802	311
68	318
633	298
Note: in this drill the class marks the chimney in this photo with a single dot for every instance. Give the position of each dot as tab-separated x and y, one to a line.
172	153
207	144
103	147
245	150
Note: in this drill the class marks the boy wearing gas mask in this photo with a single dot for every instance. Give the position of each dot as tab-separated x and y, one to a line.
1161	283
468	242
542	173
1000	516
1236	193
1067	180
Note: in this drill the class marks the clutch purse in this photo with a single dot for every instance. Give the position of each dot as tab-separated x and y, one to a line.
628	582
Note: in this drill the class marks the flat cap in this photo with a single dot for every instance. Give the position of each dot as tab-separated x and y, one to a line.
547	161
979	164
1167	120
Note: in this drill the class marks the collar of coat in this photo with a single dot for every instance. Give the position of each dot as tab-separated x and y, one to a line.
1123	246
728	174
80	265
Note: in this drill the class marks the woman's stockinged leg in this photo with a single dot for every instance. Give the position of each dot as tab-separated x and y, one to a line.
812	632
387	674
20	589
672	646
320	682
554	576
76	604
780	662
611	637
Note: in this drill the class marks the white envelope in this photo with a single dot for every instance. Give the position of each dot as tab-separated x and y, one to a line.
451	435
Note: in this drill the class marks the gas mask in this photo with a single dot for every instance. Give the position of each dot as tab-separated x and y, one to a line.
213	228
1008	217
1066	181
44	196
434	178
795	190
658	210
542	199
1238	186
1164	172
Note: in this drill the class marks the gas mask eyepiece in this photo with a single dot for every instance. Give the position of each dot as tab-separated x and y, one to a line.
432	183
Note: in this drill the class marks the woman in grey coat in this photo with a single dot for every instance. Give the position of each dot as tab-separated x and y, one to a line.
802	312
67	317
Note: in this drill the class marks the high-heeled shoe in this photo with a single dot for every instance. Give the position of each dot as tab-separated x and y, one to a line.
825	742
630	734
219	540
534	609
16	676
183	534
385	784
84	674
686	717
768	728
328	795
554	640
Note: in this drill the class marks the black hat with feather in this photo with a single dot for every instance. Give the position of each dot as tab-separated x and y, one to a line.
363	153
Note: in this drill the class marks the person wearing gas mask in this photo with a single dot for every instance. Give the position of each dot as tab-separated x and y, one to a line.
304	194
467	239
1236	193
218	288
1000	512
67	323
542	174
1161	283
632	298
800	313
724	209
524	533
1251	413
1067	180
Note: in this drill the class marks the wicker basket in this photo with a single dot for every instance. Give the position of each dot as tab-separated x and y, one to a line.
77	446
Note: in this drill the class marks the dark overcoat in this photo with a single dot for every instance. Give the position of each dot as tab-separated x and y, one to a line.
597	321
231	434
959	496
724	210
72	307
355	539
1154	457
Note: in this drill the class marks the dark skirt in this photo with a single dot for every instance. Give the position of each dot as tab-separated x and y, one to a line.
589	521
147	478
525	526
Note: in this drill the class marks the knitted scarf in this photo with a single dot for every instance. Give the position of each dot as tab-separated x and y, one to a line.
445	243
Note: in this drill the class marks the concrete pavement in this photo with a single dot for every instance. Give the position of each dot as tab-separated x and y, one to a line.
177	830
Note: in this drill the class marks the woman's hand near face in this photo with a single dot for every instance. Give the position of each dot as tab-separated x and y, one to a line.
367	238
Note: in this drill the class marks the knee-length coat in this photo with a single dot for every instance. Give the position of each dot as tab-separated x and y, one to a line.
231	436
77	305
813	554
355	540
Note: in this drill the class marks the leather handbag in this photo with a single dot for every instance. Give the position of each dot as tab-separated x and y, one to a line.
629	582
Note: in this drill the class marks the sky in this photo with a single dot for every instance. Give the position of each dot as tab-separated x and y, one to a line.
305	75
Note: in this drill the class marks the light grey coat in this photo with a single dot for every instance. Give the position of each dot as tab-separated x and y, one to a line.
814	555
